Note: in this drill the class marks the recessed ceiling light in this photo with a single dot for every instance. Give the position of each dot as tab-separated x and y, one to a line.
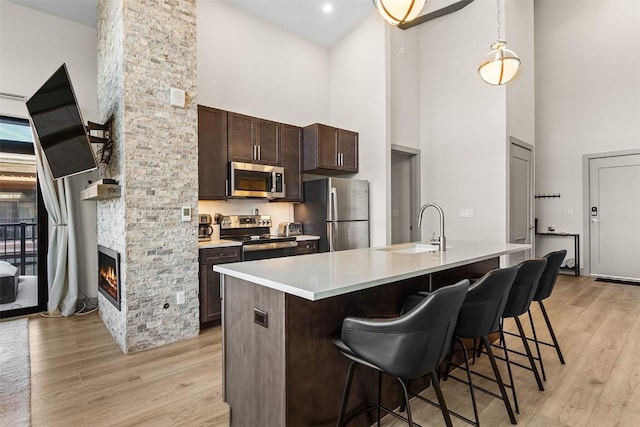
327	8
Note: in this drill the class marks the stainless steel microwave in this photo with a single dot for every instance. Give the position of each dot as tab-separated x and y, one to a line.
253	180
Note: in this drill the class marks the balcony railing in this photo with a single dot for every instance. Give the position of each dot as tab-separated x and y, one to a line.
19	246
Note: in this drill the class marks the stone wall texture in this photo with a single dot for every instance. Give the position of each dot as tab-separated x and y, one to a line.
144	49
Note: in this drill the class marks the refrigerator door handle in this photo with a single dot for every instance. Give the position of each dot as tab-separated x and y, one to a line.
333	235
334	204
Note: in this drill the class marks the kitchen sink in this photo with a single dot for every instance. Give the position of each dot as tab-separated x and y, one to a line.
411	248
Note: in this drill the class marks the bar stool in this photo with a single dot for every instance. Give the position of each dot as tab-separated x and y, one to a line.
479	316
520	297
406	347
545	287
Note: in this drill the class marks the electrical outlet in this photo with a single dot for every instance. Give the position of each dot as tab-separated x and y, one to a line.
395	213
465	213
180	297
570	212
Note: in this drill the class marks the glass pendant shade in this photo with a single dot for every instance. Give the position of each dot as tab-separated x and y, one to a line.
399	11
500	65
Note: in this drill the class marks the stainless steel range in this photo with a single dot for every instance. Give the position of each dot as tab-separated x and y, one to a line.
254	233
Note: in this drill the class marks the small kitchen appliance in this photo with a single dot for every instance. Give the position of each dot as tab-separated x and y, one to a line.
204	228
254	180
290	229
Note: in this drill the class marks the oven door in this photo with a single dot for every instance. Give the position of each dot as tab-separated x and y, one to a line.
252	180
269	250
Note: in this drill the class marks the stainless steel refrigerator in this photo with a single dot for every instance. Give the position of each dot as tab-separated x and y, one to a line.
337	210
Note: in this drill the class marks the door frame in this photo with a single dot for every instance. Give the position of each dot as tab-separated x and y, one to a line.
586	202
532	209
414	192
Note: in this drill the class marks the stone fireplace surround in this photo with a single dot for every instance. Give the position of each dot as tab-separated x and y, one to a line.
144	49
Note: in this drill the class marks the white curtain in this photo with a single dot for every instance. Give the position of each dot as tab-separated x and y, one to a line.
62	267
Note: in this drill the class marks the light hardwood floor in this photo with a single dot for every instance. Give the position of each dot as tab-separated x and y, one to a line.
80	376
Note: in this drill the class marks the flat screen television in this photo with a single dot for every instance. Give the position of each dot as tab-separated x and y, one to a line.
58	122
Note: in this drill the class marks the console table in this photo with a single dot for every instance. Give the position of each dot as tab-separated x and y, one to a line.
576	248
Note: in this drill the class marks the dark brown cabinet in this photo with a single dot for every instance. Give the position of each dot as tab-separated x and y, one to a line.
307	247
212	153
291	144
329	150
210	302
253	140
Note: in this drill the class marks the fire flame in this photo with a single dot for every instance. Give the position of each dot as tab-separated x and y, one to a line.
109	280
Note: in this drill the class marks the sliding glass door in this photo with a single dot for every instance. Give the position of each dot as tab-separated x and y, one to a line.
23	223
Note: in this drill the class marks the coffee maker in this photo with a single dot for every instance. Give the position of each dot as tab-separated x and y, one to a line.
204	228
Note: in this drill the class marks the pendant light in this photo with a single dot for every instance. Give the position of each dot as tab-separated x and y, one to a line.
501	64
397	12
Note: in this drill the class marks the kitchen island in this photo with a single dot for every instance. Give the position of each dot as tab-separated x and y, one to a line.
279	315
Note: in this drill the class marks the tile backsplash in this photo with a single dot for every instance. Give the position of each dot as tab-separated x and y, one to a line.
279	212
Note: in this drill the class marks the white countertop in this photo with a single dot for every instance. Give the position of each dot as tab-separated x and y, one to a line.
218	244
323	275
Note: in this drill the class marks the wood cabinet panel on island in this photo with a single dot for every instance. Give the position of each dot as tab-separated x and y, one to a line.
210	302
212	153
253	140
329	150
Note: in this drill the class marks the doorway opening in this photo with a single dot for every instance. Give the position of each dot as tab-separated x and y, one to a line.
23	223
405	194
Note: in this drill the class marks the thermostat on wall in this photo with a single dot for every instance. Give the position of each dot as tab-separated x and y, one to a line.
186	214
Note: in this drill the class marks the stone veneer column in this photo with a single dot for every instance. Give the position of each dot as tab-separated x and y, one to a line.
144	48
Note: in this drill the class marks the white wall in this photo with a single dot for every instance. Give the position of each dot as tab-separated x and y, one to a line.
253	67
358	102
587	98
32	46
404	80
521	90
462	126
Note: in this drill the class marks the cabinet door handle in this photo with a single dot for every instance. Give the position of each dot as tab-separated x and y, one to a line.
226	187
254	155
259	152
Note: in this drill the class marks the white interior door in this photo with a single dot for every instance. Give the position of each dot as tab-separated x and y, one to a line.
614	200
520	199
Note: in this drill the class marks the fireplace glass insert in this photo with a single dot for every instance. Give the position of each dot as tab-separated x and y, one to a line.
109	275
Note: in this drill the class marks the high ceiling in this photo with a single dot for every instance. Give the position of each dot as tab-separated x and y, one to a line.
304	18
80	11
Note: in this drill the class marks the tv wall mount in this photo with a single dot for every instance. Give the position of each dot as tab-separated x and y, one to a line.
101	134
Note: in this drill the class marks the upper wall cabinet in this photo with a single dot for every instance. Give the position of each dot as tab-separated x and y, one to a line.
253	140
291	144
329	150
212	153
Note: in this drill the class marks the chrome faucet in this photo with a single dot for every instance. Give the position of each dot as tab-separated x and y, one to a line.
442	241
